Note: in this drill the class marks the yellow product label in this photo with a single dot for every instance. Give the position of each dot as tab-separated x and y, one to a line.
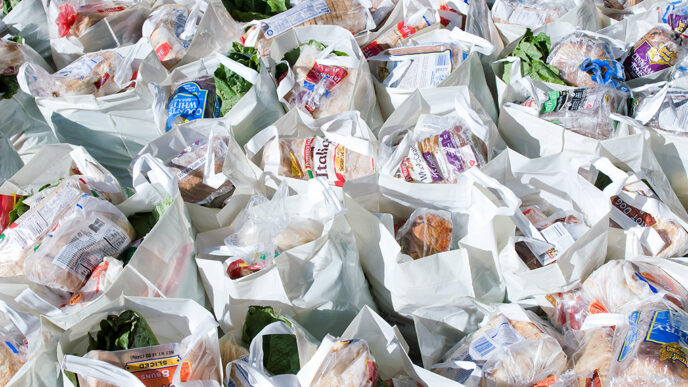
153	364
662	55
295	167
339	159
674	353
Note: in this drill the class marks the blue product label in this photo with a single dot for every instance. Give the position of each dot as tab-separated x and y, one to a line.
631	336
189	102
668	327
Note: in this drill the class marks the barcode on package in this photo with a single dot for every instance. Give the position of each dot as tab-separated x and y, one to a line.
293	17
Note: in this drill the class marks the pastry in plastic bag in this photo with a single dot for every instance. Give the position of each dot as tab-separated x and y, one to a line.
11	57
165	28
14	349
78	16
426	232
312	157
189	166
651	349
443	156
394	37
619	283
320	90
47	207
571	51
655	51
347	363
416	67
620	4
529	13
593	357
79	240
507	352
91	74
584	111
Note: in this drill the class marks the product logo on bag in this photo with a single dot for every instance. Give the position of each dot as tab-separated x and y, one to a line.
189	102
641	218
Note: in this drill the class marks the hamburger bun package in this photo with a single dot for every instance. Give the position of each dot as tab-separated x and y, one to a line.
142	342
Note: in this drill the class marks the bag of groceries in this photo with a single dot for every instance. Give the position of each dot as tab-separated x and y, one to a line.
134	341
48	188
27	352
183	31
513	17
235	86
26	18
320	71
424	245
660	107
294	252
79	27
297	149
436	135
103	101
561	225
25	128
511	347
433	59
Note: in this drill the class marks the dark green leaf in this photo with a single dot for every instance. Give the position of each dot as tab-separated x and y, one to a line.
533	52
126	331
248	10
230	86
8	86
281	352
19	209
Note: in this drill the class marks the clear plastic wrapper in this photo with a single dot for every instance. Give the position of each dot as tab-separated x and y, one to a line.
506	352
395	36
77	243
14	349
672	114
426	232
651	349
312	157
75	17
11	57
570	309
620	4
636	208
619	283
655	51
189	167
593	357
47	207
584	111
417	66
346	363
529	13
168	27
96	74
546	237
192	100
572	51
450	148
320	90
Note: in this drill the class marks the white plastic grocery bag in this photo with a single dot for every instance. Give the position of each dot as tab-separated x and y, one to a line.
318	283
552	181
52	163
182	327
11	162
113	127
32	340
165	257
357	94
327	138
28	20
400	285
468	72
69	40
257	109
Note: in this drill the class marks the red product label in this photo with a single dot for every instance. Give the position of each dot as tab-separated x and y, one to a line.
240	268
7	203
162	377
596	307
101	81
319	72
546	382
404	30
642	218
372	49
308	157
163	50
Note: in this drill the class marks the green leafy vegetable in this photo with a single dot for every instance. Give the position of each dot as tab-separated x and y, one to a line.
19	209
126	331
281	354
533	52
8	5
230	86
248	10
143	223
8	86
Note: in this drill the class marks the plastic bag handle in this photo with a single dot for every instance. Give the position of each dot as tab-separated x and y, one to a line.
210	178
257	142
245	72
478	44
157	174
100	370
